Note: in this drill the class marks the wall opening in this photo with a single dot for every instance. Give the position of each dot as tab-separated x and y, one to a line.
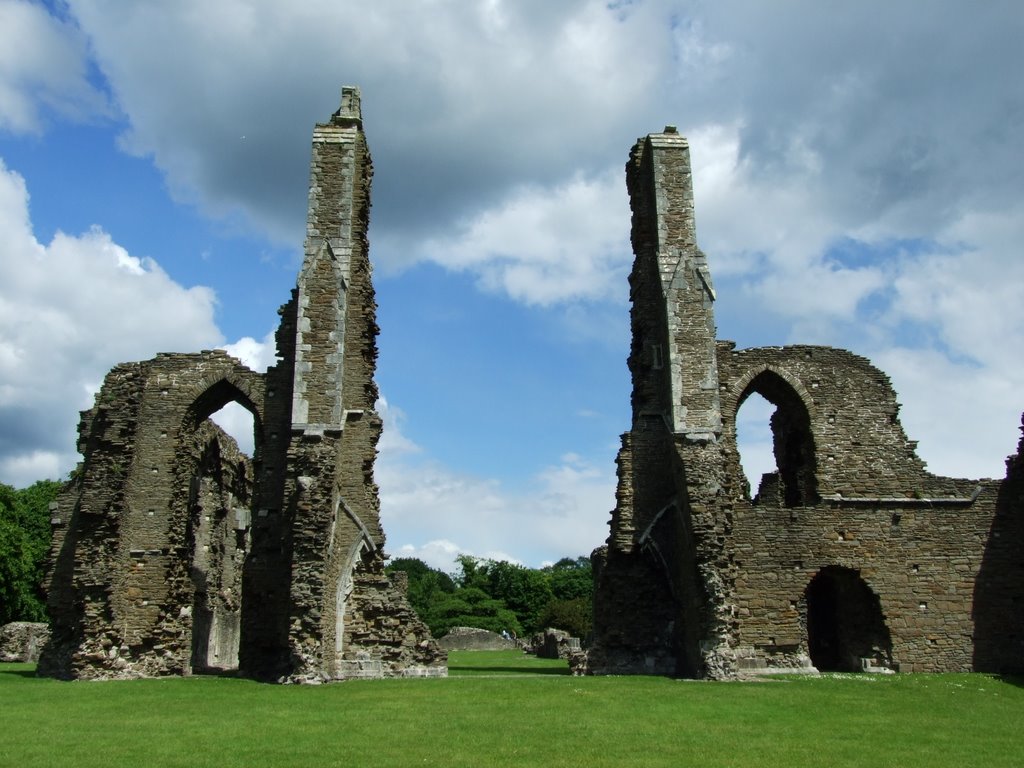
754	441
216	563
793	481
220	474
846	629
237	421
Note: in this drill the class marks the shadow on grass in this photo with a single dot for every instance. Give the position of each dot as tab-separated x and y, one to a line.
467	670
18	672
1017	680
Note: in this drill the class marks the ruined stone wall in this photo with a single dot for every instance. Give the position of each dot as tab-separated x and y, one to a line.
915	539
173	553
384	636
121	592
85	525
267	571
850	555
340	612
217	538
22	641
998	610
666	542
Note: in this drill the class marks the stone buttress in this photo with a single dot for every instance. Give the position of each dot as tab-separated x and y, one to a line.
340	604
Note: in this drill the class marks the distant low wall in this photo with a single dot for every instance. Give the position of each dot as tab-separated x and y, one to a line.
473	639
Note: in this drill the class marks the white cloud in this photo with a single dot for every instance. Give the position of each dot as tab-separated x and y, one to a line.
43	68
238	422
543	246
965	417
442	554
754	439
257	355
493	127
25	468
461	101
68	312
435	513
393	443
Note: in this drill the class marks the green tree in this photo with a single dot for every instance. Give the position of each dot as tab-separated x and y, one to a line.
574	616
572	578
427	586
524	591
24	543
471	607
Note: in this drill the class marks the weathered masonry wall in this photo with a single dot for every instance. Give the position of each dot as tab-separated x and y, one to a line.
162	494
850	556
174	553
863	506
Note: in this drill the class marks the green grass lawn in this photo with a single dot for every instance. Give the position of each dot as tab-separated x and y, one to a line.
501	709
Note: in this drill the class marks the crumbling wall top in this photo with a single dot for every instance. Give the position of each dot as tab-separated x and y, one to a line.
350	113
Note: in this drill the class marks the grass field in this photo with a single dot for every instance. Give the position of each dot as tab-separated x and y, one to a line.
501	708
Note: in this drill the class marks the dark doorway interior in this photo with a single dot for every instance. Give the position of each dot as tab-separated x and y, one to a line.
845	624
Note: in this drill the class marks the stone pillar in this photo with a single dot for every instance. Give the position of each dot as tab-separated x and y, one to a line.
658	599
673	360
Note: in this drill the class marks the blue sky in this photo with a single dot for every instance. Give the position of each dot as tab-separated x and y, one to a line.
857	180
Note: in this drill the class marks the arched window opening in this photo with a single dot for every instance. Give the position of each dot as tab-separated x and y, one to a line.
230	409
238	422
754	441
790	446
846	629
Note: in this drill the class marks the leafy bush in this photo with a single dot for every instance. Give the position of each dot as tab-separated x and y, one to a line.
471	607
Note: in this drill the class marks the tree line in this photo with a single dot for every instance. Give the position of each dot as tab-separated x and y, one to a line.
501	596
24	544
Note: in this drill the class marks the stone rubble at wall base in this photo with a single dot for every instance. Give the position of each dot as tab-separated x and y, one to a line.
22	641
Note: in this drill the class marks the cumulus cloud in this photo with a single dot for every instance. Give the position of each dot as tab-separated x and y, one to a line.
461	101
69	310
43	69
544	246
965	416
256	354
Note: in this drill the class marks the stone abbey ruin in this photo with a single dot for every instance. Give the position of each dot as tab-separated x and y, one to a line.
850	556
174	553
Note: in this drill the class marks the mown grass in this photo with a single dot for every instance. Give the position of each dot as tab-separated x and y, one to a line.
507	716
463	663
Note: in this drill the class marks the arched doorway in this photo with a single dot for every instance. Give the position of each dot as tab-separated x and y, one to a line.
846	629
220	478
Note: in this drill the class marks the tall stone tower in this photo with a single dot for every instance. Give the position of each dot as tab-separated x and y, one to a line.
330	492
331	505
651	613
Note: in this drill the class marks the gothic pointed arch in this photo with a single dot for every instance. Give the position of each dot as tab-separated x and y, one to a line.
795	483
